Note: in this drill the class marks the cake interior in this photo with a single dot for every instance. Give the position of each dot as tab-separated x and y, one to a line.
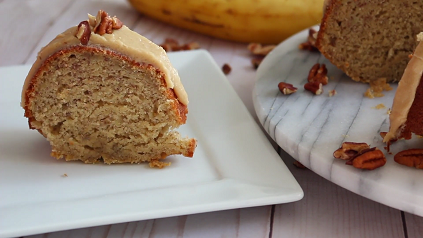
371	39
93	104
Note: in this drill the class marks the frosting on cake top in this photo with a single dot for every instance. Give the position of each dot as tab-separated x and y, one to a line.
122	40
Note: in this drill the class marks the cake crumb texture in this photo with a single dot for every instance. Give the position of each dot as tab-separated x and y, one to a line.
96	105
370	39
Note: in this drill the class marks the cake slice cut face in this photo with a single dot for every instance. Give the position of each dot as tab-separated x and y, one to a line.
101	92
406	115
370	39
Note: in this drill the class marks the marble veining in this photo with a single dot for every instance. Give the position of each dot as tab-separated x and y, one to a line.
311	127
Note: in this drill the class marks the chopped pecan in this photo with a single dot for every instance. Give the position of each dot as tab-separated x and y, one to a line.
370	159
116	23
84	32
314	87
286	88
332	93
226	68
256	62
171	44
410	158
310	45
318	73
349	150
258	49
190	46
106	24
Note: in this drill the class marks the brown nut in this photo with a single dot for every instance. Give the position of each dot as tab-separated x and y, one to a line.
372	159
116	23
286	88
310	44
410	158
256	62
191	46
84	32
226	68
314	87
332	93
318	73
101	24
349	150
106	24
258	49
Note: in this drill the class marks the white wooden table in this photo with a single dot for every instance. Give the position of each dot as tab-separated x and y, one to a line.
326	210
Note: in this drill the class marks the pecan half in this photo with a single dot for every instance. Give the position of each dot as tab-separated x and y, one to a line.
226	68
84	32
332	93
258	49
410	158
318	73
310	44
286	88
171	44
314	87
106	24
371	159
256	62
116	23
349	150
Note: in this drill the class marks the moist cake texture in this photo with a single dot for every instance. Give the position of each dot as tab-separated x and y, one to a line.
115	98
370	39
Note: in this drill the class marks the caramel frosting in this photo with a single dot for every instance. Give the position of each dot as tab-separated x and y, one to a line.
122	40
405	93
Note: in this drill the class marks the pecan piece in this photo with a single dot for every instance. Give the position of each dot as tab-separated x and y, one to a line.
286	88
310	44
191	46
116	23
84	32
332	93
258	49
226	68
173	45
256	62
318	73
349	150
410	158
314	87
370	159
106	24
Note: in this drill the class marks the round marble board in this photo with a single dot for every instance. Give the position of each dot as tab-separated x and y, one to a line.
311	127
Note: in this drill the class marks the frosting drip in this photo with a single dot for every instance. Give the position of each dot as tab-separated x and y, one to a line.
405	93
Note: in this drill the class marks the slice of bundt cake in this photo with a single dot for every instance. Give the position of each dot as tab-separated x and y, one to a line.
406	115
370	39
100	91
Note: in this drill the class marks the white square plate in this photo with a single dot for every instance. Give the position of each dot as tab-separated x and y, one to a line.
234	165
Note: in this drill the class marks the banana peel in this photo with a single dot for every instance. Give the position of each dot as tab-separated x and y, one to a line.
262	21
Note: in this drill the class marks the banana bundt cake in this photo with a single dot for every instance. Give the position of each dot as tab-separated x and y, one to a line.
101	92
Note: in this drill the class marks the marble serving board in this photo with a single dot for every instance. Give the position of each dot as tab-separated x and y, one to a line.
311	127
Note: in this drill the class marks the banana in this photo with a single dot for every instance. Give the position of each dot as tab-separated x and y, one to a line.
262	21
